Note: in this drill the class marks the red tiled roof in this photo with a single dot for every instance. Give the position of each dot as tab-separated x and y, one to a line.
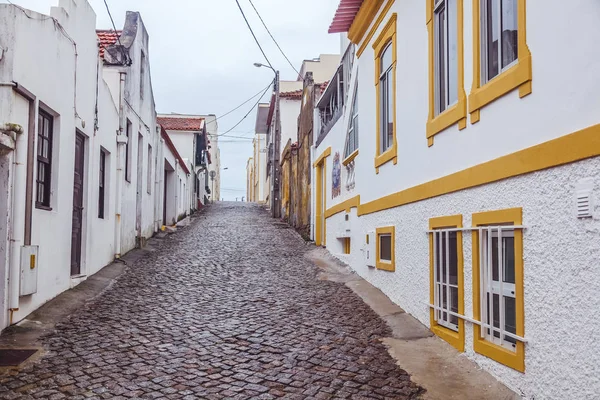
106	38
297	94
344	16
171	146
181	124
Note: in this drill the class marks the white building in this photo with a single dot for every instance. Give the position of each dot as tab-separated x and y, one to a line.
497	149
214	167
79	150
257	180
177	190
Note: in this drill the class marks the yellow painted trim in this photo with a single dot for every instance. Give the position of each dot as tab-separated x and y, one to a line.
456	339
384	265
362	20
566	149
321	199
343	206
518	76
374	28
347	246
350	158
323	155
458	112
387	35
515	360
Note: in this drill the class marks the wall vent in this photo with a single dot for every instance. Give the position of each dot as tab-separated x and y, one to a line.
583	197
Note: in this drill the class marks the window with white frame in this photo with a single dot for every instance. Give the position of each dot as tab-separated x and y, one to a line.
446	54
498	301
445	277
352	139
499	37
386	84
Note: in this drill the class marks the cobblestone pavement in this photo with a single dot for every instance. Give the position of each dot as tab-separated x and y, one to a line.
227	308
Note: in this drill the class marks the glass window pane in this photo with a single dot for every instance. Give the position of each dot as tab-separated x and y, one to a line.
46	127
385	247
496	314
445	301
453	259
45	148
386	58
492	37
495	259
443	257
390	110
452	52
510	317
440	22
509	32
454	305
382	117
509	259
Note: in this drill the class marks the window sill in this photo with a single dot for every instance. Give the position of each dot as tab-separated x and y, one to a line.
385	266
455	339
455	114
518	76
390	154
350	158
43	207
514	360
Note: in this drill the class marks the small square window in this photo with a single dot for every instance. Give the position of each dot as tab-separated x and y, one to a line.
385	249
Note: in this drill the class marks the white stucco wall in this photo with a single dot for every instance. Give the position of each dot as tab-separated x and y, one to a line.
289	111
560	252
259	161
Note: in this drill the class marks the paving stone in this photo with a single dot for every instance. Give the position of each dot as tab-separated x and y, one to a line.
227	307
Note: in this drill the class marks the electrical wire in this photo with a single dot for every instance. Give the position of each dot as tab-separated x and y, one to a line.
117	34
229	112
274	41
248	113
253	35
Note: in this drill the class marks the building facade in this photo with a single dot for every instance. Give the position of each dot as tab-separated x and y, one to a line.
214	167
457	171
80	150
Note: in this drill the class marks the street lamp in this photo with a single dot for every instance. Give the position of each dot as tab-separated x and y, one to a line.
275	205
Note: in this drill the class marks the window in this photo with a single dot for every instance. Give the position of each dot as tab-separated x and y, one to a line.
331	103
447	282
447	98
502	61
385	81
101	184
142	73
385	249
352	139
498	286
127	153
149	172
44	159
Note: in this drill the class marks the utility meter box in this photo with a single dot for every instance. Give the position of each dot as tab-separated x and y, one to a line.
29	270
370	249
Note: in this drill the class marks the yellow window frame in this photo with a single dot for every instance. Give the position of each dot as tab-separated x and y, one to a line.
518	76
387	35
516	359
457	113
380	264
455	339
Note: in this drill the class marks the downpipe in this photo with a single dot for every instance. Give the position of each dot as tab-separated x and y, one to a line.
121	141
312	195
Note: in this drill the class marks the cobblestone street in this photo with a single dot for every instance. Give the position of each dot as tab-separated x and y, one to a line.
227	307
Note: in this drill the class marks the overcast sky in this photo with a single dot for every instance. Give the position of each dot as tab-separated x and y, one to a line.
201	56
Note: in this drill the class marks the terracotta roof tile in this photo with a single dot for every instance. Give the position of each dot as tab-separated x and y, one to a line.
181	124
107	38
173	149
297	94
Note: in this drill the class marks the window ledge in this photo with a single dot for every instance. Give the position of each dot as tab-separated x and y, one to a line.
43	207
390	154
385	266
455	114
514	360
518	76
350	158
454	339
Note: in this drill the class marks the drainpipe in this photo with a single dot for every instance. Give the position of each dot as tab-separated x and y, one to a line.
121	141
312	194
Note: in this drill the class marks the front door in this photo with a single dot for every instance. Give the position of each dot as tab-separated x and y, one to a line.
77	228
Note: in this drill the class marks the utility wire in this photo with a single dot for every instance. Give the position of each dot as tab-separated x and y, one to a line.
248	113
253	35
116	34
229	112
274	41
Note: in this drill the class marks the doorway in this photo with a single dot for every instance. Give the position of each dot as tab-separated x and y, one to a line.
77	225
320	227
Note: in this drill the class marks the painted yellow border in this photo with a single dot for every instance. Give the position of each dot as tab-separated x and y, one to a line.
347	246
566	149
362	20
321	190
326	153
374	28
343	206
518	76
456	339
458	112
384	265
515	360
350	158
387	35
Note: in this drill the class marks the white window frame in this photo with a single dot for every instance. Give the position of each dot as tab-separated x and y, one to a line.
491	287
484	43
384	78
442	6
442	314
353	124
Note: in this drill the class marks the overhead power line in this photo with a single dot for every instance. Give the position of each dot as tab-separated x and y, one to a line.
248	113
253	35
230	111
274	41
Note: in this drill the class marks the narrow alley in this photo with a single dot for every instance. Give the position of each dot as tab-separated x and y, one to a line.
230	308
